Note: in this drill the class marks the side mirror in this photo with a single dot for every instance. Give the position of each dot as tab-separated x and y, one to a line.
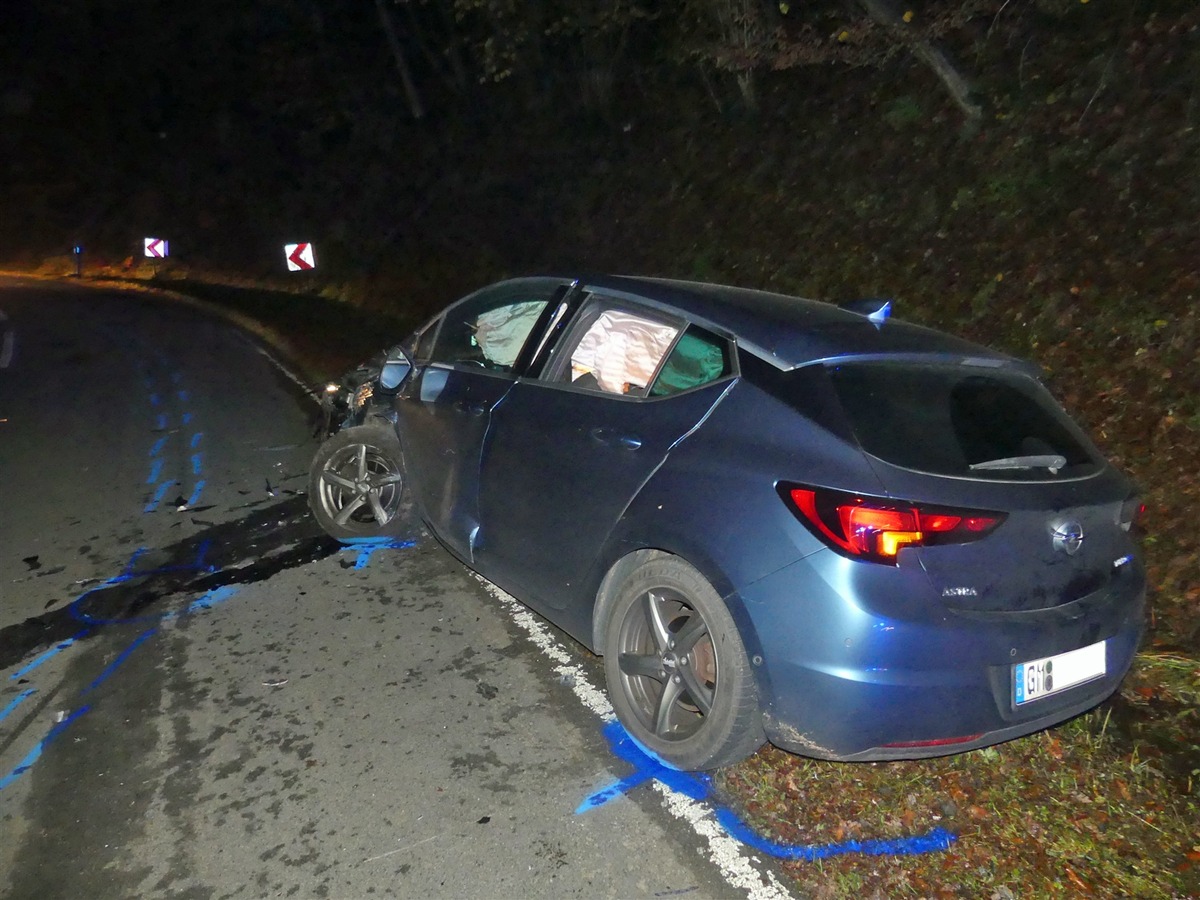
396	366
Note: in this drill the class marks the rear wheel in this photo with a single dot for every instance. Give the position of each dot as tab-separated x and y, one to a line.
356	483
677	670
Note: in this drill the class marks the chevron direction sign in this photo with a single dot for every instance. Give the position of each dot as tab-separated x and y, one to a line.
300	257
156	248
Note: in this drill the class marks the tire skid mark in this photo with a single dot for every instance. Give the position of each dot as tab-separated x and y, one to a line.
35	754
121	657
160	398
15	702
53	651
217	584
205	602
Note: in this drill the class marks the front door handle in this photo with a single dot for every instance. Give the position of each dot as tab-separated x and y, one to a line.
475	408
614	438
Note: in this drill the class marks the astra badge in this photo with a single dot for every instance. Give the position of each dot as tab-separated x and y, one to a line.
1068	537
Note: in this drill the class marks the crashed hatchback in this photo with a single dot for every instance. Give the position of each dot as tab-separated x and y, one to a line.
776	519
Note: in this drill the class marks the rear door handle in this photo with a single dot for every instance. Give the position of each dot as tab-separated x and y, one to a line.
475	408
614	438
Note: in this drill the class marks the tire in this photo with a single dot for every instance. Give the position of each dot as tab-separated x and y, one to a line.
677	670
356	483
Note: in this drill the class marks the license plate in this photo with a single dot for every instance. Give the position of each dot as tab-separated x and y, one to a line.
1043	677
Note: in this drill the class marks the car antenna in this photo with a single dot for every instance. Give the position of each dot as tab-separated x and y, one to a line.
876	309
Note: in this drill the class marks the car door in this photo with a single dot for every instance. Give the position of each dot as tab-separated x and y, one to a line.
568	451
445	409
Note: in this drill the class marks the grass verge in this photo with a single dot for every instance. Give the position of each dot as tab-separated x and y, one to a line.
1098	807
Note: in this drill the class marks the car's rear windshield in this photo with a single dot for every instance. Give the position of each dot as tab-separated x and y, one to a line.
963	421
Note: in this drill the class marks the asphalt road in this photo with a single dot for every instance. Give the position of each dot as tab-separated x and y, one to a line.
201	696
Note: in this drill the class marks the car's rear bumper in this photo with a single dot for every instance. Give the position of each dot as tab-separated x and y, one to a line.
838	680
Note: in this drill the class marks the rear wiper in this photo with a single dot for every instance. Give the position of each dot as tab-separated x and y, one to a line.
1045	461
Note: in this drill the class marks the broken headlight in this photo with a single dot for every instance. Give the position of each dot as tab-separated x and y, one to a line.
362	395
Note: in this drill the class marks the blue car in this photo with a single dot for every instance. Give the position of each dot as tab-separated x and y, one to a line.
776	519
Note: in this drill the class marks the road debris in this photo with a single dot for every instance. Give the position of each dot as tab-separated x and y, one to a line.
402	849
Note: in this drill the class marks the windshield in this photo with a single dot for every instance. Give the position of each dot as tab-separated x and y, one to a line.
961	420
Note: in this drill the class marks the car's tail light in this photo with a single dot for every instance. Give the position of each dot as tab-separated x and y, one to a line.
876	529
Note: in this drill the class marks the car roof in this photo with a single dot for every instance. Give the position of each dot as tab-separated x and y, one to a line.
789	332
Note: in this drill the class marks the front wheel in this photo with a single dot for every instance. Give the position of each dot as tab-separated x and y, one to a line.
356	483
677	670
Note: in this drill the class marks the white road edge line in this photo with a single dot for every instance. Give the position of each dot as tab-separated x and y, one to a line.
286	371
726	853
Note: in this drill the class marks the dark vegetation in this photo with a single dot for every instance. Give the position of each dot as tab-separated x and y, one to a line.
1022	172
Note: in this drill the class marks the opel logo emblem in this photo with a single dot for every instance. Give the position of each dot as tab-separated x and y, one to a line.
1068	537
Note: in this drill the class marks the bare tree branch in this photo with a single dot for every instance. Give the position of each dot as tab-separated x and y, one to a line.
410	88
960	89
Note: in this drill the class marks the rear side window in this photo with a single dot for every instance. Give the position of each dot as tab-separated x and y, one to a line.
614	351
961	421
697	358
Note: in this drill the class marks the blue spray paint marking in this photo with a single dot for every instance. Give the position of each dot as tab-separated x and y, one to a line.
613	791
366	549
195	496
647	766
156	468
201	553
53	651
158	496
936	840
124	655
208	601
128	570
129	573
205	602
80	616
15	702
36	752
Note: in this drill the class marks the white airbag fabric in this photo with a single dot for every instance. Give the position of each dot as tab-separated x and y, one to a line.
500	333
622	351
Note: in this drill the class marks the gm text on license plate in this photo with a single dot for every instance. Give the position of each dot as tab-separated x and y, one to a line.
1043	677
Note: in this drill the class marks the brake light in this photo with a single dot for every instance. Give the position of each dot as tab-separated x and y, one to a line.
876	529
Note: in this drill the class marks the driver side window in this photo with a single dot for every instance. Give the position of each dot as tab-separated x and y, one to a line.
487	330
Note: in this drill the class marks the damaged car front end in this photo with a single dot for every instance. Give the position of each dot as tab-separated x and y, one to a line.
363	393
356	482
